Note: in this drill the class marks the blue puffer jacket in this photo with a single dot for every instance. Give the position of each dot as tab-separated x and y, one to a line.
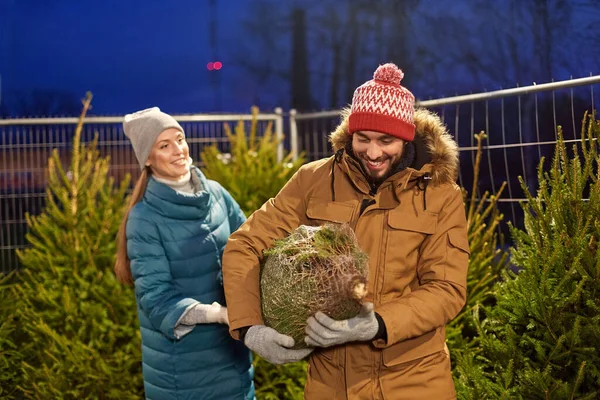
175	242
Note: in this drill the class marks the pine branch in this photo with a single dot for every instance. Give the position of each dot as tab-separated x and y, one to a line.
76	152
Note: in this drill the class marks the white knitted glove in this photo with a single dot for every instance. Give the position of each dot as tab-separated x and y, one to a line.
323	331
273	346
205	314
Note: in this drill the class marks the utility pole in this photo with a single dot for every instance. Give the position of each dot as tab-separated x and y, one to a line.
300	84
7	64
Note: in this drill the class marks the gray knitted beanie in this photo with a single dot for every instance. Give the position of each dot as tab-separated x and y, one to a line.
143	127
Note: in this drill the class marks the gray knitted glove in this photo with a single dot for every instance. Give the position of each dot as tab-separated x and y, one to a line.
273	346
205	314
323	331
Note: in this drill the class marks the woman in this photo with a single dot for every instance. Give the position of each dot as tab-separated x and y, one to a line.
169	246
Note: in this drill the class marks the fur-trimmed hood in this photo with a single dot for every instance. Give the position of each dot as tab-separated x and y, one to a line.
433	144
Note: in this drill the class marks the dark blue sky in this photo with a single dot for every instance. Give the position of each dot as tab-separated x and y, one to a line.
138	53
130	54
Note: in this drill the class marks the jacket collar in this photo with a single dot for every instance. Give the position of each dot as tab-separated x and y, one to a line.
406	178
177	205
436	152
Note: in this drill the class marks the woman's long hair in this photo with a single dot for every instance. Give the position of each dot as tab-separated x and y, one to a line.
122	267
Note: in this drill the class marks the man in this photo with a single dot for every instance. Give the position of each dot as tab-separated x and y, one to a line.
392	178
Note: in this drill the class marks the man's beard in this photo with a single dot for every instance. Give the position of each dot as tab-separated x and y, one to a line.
378	180
395	166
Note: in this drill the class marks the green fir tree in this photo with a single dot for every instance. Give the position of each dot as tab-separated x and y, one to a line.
11	356
541	339
486	263
71	329
252	172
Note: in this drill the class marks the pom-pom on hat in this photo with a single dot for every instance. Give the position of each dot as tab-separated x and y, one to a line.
383	105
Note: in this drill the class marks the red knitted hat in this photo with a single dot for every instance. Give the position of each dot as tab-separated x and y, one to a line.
382	105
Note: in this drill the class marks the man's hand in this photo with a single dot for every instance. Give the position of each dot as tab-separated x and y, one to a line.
273	346
323	331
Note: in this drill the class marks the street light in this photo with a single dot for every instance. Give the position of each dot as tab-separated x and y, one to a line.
214	65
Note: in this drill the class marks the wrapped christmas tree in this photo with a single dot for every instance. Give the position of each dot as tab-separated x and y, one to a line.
313	269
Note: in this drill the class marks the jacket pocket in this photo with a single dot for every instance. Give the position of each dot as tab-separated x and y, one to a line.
459	240
321	211
457	257
412	349
406	231
404	378
424	222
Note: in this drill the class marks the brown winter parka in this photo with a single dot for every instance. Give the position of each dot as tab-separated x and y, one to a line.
415	233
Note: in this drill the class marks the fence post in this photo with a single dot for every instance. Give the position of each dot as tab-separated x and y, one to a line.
279	132
293	134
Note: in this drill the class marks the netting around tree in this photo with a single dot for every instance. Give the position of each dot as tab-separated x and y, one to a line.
314	269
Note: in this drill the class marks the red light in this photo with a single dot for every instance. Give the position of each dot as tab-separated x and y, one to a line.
218	65
210	66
